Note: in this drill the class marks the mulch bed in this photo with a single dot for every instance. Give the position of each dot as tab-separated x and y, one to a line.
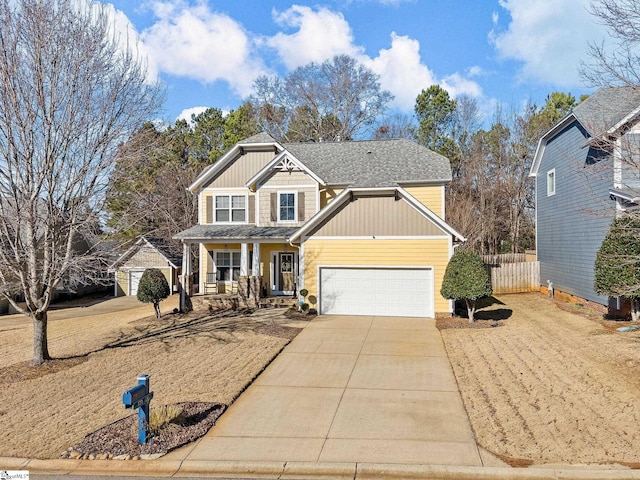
120	439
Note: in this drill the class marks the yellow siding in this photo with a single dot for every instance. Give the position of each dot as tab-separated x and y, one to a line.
327	195
431	253
122	282
122	278
265	260
431	197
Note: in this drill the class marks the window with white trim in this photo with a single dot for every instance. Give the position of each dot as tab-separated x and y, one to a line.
551	182
227	266
287	207
231	208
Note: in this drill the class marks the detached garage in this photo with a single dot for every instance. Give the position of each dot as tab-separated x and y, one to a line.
402	292
145	253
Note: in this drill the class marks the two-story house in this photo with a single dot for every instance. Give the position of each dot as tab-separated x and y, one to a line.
360	225
586	171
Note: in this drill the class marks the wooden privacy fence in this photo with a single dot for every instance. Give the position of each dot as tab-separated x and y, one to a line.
514	277
504	258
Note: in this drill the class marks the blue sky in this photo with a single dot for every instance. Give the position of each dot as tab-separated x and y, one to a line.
502	52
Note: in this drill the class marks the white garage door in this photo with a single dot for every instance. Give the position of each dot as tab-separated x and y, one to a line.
376	291
134	280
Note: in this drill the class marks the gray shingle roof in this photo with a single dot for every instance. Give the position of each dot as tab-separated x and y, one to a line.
372	163
262	137
169	252
226	232
606	108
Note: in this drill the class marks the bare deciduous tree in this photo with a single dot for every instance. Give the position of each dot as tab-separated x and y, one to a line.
71	91
334	100
616	63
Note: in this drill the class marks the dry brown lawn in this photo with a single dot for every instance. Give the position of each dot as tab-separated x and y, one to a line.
552	384
197	357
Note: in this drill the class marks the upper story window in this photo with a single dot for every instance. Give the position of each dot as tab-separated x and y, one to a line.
230	208
287	204
551	182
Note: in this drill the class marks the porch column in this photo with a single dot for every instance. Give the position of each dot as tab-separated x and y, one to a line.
256	260
244	259
186	271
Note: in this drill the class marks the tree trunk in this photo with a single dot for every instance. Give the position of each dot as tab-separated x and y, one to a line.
156	307
471	309
635	309
40	344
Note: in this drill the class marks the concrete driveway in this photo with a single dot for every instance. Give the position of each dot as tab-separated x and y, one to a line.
349	389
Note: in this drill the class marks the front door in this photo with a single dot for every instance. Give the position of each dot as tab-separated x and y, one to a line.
286	277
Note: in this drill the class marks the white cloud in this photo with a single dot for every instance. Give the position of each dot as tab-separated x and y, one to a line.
129	39
188	112
402	73
457	85
320	35
549	37
476	71
194	42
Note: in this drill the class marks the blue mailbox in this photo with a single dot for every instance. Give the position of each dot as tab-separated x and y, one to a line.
139	397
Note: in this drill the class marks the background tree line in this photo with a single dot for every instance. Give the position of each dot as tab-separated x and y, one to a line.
490	199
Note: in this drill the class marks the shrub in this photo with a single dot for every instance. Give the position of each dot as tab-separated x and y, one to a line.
305	307
312	299
617	265
153	288
466	278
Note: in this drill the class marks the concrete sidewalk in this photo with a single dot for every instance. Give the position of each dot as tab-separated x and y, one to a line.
349	390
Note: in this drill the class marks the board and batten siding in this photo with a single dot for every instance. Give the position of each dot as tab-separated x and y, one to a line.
431	197
379	253
241	169
572	223
381	216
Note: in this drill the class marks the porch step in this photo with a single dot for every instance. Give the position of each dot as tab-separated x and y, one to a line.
277	302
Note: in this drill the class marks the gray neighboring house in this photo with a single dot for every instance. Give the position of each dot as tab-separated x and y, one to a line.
147	252
583	178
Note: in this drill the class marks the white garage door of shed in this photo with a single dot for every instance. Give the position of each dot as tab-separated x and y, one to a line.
134	281
397	292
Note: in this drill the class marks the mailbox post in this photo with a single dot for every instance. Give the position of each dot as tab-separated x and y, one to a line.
139	397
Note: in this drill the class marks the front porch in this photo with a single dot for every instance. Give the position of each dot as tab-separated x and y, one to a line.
262	265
